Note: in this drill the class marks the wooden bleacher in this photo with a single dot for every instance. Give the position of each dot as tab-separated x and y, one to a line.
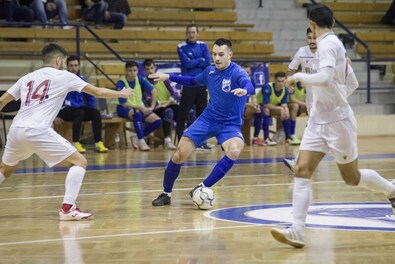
133	44
359	14
364	19
152	40
175	13
381	44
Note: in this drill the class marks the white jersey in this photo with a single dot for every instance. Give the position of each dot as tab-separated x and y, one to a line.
306	59
303	57
330	102
42	93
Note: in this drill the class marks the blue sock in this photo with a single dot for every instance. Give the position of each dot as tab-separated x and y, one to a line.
287	128
293	126
266	124
149	128
257	124
171	173
138	119
219	171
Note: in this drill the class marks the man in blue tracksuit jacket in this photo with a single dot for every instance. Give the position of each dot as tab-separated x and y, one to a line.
194	58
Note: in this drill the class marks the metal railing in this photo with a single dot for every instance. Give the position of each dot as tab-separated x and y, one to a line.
77	43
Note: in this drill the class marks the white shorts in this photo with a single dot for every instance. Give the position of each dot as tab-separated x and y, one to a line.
22	142
338	139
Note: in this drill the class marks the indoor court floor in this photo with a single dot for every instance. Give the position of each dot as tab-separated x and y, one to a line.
346	224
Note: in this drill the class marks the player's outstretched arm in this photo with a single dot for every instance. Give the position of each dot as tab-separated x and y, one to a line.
322	78
107	93
5	99
158	76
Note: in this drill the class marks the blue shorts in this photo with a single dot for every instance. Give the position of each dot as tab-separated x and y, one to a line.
123	111
203	129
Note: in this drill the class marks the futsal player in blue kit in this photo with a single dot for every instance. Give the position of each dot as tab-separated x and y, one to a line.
228	84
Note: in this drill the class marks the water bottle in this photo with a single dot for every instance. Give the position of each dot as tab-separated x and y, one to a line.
117	140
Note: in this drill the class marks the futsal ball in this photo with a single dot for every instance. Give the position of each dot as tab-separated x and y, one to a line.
204	198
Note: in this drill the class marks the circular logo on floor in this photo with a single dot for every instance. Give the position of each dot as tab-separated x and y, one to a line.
352	216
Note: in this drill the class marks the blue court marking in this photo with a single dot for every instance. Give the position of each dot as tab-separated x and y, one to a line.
156	165
363	216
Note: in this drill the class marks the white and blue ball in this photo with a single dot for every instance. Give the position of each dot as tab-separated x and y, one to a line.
204	198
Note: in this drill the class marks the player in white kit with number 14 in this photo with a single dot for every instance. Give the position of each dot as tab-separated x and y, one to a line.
42	93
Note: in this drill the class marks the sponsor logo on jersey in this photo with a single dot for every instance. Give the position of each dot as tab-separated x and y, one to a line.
226	85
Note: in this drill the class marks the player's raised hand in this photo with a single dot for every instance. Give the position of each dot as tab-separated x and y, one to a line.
158	76
126	92
239	91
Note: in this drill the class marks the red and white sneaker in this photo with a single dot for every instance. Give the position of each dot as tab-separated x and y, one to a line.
259	142
74	214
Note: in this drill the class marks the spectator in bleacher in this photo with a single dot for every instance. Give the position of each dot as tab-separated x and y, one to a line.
79	107
167	106
194	58
145	121
121	6
389	17
44	10
97	11
274	98
11	11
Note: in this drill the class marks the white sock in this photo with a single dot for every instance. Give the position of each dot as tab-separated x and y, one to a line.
73	184
301	199
2	178
168	193
168	139
371	180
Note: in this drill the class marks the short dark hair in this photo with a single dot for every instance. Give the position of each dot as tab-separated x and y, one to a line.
131	64
148	62
279	75
222	41
245	65
73	58
322	16
51	50
308	30
192	25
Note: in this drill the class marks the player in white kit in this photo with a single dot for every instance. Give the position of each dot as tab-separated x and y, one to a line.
308	63
331	128
303	59
42	93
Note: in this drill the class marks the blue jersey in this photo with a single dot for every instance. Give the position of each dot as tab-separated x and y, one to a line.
194	57
223	106
77	99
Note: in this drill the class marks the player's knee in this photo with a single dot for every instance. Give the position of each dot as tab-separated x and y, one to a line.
234	151
178	157
302	170
295	107
81	162
6	170
351	178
